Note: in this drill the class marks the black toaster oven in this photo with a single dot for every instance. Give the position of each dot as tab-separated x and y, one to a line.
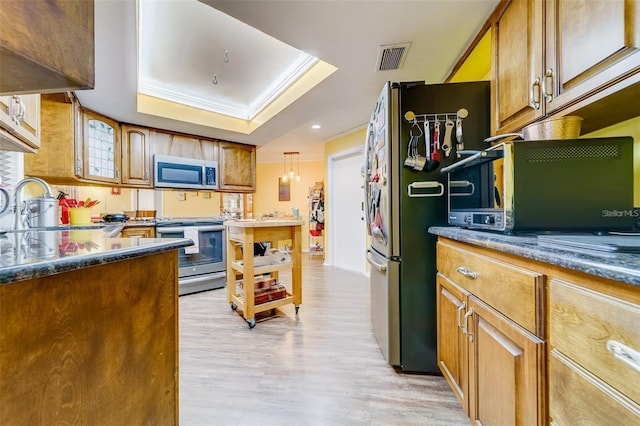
551	185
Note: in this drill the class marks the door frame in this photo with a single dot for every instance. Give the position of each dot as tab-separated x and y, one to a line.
331	211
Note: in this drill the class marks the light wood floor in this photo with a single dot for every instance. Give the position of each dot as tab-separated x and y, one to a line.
322	367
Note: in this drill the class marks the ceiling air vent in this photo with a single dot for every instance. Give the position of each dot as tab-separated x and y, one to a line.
391	56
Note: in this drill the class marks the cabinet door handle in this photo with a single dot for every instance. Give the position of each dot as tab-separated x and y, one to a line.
15	102
625	354
547	85
459	320
22	110
465	327
467	272
534	97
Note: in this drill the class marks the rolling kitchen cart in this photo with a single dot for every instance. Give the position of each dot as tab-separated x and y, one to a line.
241	235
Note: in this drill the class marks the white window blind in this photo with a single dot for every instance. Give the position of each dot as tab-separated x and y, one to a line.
10	171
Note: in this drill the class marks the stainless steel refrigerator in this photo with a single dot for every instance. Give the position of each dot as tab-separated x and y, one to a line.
405	194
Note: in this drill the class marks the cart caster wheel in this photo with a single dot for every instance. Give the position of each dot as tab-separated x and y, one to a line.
297	308
233	306
251	323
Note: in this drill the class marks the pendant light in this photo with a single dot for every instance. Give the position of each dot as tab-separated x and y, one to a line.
291	175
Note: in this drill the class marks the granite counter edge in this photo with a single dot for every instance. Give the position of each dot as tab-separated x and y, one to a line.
11	274
527	247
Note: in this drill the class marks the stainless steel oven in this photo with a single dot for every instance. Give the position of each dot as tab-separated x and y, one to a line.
201	266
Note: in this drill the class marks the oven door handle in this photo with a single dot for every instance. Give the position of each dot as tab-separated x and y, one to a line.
210	228
201	278
174	229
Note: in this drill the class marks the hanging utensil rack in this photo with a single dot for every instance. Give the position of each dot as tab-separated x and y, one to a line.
410	116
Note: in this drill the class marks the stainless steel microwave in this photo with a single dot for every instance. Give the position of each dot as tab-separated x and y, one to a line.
552	185
187	173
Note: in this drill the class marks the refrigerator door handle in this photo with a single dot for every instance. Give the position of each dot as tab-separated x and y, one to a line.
379	267
367	178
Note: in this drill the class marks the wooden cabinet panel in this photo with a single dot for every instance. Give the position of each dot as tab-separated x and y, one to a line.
553	57
517	61
577	397
588	45
92	346
138	231
513	291
20	123
46	46
181	145
237	167
505	370
30	124
583	322
452	345
136	156
59	155
101	155
495	367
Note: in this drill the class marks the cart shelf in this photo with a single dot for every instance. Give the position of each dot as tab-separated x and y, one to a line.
259	270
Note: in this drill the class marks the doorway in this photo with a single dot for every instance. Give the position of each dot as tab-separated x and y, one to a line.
347	233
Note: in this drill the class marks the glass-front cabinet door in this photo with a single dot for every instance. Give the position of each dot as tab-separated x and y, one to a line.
101	148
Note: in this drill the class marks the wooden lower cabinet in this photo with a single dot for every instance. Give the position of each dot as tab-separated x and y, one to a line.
93	346
565	351
138	231
453	349
506	370
494	367
593	325
577	397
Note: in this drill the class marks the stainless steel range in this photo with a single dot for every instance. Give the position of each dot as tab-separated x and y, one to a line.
201	266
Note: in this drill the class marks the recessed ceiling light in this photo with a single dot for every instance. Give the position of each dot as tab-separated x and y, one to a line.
315	126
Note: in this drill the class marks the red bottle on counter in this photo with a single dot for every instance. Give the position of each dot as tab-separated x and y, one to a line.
64	208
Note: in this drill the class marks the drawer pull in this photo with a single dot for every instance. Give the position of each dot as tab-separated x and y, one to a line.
467	272
460	309
625	354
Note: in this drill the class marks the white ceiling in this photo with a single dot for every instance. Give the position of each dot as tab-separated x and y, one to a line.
345	34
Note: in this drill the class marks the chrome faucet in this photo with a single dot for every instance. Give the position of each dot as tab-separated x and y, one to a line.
19	223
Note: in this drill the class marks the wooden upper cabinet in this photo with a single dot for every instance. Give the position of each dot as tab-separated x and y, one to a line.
517	64
46	46
136	156
100	148
59	156
559	57
588	45
20	123
182	145
237	167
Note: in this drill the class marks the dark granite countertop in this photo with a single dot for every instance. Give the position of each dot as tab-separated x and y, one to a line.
41	252
624	267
